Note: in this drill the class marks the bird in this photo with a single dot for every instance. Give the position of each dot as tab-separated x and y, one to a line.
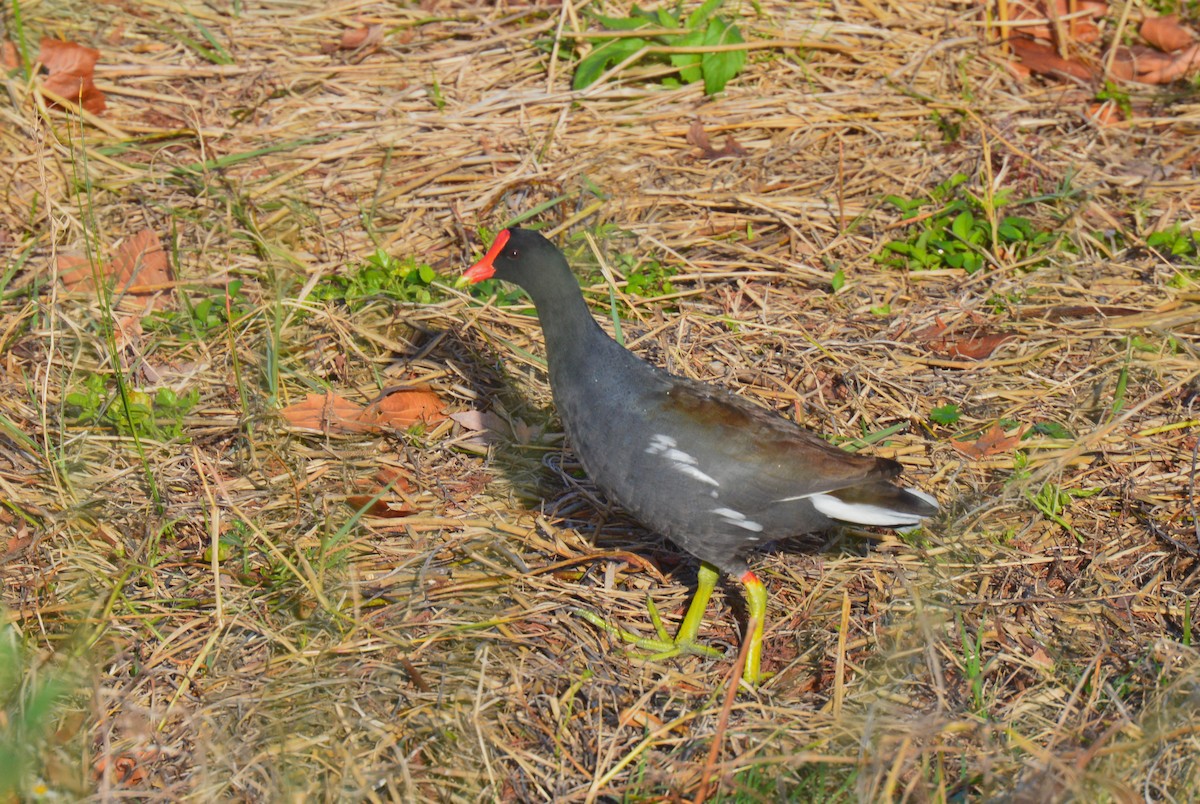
713	472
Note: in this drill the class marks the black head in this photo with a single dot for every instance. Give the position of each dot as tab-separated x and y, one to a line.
520	256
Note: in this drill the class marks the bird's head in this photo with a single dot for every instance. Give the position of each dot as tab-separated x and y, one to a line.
517	256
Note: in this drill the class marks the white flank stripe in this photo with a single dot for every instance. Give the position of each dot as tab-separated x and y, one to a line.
660	443
692	471
738	518
860	513
681	461
679	456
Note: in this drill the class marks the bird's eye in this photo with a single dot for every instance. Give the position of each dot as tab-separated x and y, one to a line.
512	252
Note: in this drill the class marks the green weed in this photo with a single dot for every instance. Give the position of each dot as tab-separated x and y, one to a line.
382	276
436	95
1187	624
645	277
1052	501
1180	247
702	28
973	667
1118	95
136	413
838	280
959	234
946	414
1049	430
201	319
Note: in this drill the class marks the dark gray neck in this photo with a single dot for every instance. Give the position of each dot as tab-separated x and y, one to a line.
576	346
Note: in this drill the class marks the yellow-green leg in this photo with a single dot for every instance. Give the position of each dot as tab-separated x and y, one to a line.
756	602
689	630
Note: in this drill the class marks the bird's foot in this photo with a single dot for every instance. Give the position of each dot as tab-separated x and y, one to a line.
660	647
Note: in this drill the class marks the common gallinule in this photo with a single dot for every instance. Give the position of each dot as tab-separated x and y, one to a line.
716	474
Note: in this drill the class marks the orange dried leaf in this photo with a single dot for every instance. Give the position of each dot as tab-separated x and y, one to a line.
405	408
75	89
1085	31
328	413
698	137
1106	113
9	59
58	56
1155	67
1165	33
976	345
71	68
1042	23
366	36
1040	658
398	480
992	442
18	540
128	330
127	769
480	420
1043	60
383	508
640	718
1018	71
138	267
140	264
75	271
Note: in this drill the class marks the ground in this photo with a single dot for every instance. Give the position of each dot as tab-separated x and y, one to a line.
208	595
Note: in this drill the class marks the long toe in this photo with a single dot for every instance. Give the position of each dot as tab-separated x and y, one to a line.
658	648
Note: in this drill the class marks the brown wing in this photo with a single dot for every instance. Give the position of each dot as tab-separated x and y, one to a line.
784	455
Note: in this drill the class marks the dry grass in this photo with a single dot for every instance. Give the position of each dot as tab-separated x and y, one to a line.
437	657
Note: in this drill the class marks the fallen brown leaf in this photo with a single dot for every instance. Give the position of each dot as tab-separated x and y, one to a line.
698	137
1040	658
639	718
486	426
1042	59
126	769
141	263
975	343
398	480
1148	66
328	413
138	267
388	505
402	409
1043	22
382	508
526	433
9	58
128	330
992	442
368	36
1107	113
58	56
75	271
18	540
1165	33
70	69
